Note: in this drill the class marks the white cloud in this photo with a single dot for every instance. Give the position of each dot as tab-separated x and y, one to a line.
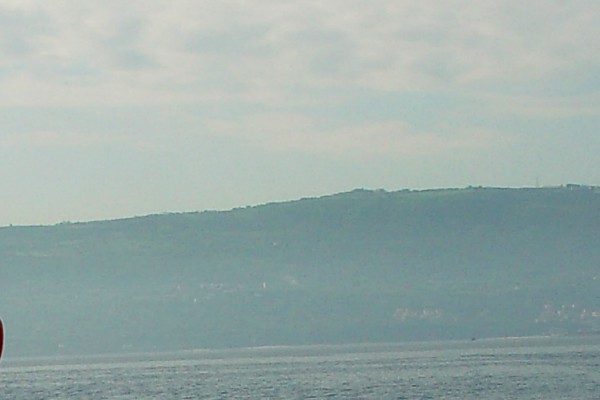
543	107
51	138
282	56
289	132
263	50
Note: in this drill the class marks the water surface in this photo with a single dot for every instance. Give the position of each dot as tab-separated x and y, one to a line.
532	368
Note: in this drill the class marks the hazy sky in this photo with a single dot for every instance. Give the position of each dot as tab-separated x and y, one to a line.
122	108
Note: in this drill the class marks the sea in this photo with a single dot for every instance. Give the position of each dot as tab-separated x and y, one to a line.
508	368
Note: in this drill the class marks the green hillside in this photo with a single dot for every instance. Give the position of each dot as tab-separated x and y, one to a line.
351	267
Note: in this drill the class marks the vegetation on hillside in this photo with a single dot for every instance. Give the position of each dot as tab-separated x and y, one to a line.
351	267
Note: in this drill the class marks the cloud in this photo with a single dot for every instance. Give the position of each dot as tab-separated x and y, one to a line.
264	50
543	107
54	139
20	36
280	60
287	132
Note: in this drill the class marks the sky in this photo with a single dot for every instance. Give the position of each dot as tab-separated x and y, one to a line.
123	108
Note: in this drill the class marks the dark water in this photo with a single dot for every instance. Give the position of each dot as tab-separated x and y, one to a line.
534	368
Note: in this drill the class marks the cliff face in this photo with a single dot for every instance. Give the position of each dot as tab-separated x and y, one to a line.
351	267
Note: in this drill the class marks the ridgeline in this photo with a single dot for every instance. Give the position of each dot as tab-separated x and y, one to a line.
362	266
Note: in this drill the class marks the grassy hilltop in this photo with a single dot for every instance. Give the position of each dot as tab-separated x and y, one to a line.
351	267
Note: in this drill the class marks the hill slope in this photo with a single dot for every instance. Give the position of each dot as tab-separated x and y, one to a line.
351	267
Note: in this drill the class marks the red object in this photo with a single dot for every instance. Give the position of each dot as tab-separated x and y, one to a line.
1	338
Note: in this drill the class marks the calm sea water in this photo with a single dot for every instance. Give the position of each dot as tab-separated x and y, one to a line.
533	368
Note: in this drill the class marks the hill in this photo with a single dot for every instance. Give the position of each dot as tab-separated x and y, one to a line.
351	267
